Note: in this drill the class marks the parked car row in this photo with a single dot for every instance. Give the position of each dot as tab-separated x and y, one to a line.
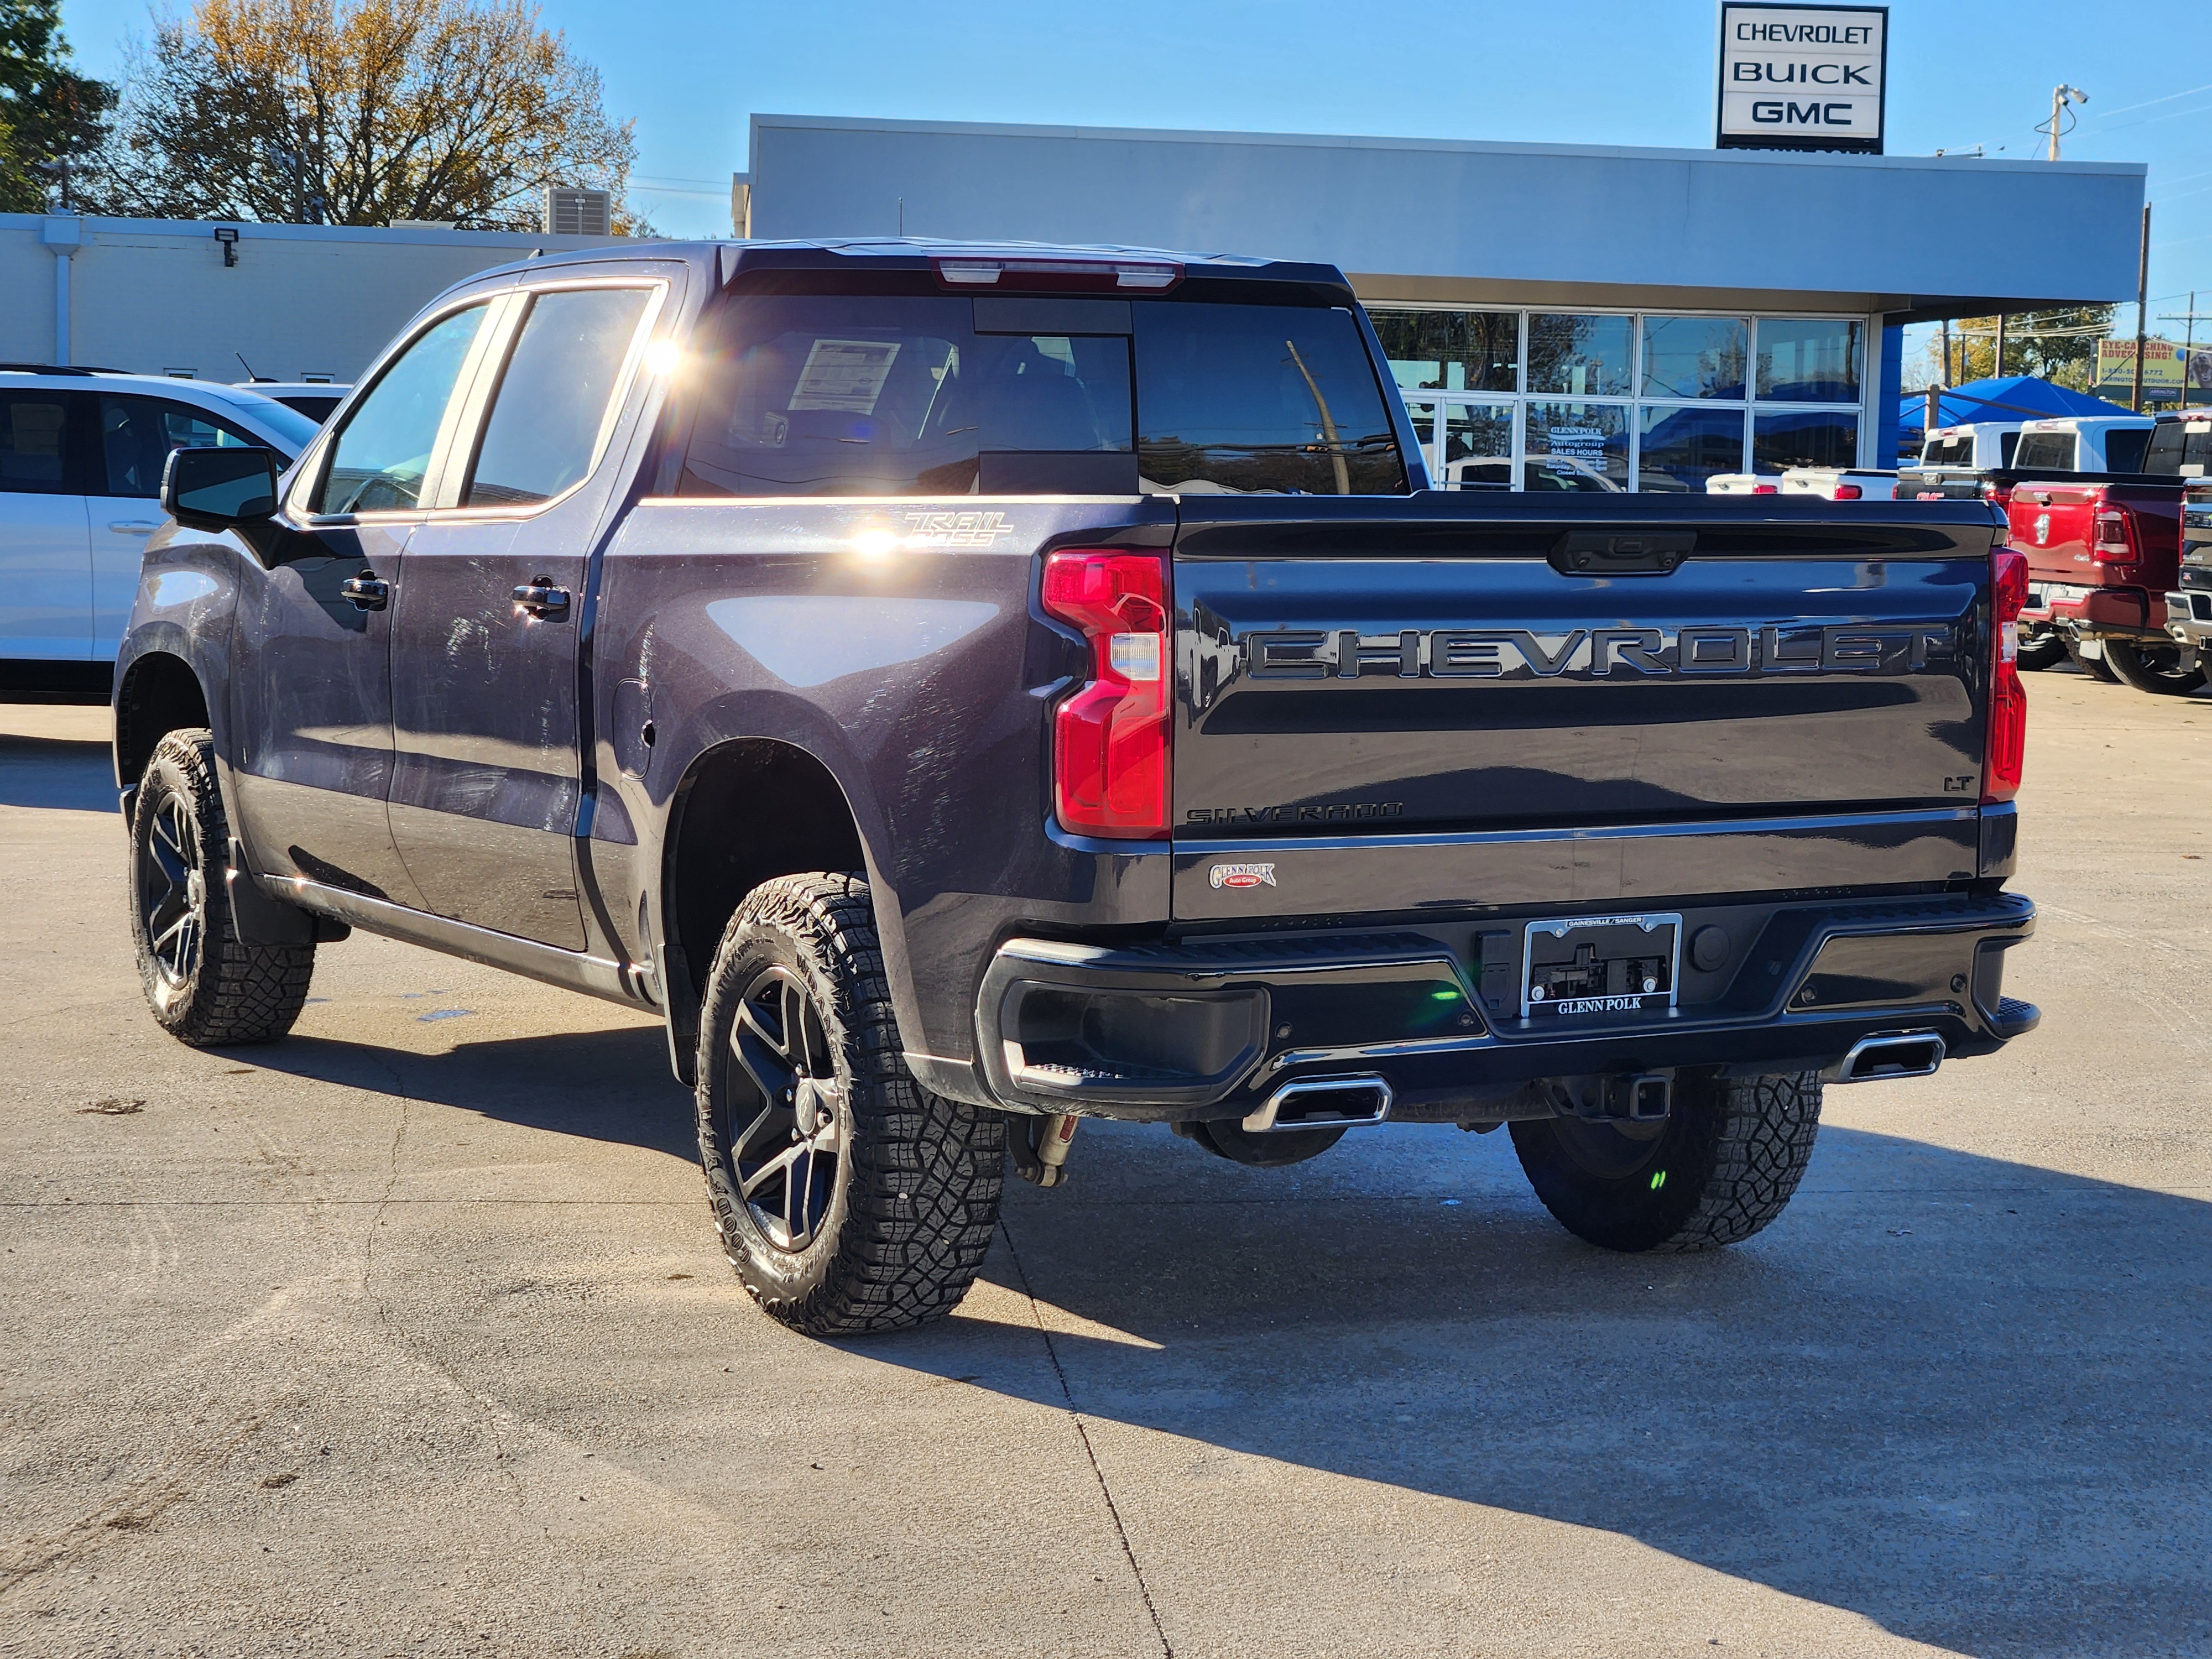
81	453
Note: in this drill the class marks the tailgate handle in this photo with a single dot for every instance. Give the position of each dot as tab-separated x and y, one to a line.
1598	553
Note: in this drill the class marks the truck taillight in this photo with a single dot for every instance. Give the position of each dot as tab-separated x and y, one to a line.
1109	739
2116	537
1848	492
1766	489
2006	749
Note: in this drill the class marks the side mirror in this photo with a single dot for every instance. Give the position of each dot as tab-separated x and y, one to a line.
220	489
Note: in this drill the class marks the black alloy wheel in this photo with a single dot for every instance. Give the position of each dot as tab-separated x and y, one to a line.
172	889
2164	671
786	1091
206	985
848	1197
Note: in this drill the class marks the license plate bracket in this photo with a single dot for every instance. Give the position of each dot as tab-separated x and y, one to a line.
1618	966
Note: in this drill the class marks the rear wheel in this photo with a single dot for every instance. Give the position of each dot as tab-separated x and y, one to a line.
2044	651
206	985
849	1197
2098	668
1721	1166
2164	671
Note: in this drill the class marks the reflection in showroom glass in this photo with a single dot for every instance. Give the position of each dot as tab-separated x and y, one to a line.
1694	357
1809	437
1582	356
1682	447
1808	361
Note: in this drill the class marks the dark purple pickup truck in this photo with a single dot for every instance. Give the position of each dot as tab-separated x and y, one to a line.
967	690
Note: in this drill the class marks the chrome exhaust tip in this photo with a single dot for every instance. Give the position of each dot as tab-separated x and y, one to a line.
1322	1103
1877	1059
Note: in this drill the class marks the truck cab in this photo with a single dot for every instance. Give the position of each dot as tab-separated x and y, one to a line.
2084	443
1978	445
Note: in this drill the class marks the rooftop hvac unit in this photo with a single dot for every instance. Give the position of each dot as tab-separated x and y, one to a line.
579	212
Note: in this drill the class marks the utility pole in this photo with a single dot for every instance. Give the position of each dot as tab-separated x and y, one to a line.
2000	356
1947	351
2061	95
2188	319
2143	307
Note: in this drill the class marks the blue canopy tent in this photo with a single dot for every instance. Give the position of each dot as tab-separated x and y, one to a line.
2012	397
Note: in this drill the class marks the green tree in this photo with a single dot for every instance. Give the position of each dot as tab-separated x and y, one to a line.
2059	346
360	112
47	111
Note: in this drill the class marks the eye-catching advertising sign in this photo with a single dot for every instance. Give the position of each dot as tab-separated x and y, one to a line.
2167	369
1802	77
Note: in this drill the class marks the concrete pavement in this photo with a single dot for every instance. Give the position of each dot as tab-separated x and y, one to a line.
409	1335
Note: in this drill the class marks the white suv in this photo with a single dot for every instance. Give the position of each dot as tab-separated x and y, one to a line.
80	457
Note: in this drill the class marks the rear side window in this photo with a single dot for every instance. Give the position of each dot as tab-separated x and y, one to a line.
557	395
138	433
2054	450
34	426
379	459
902	395
1272	398
2196	452
2124	449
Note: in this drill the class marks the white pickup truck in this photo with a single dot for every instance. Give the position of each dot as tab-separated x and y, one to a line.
2084	443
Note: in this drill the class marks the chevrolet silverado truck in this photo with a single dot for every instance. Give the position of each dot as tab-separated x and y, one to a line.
961	692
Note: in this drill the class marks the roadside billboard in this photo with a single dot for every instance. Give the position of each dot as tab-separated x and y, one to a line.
2166	367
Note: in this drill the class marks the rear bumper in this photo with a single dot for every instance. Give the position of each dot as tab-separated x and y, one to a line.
2103	613
2189	618
1211	1029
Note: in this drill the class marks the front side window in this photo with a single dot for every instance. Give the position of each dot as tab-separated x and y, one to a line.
138	433
1280	399
553	397
899	395
378	461
34	430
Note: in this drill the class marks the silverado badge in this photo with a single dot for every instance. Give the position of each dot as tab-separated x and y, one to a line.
1243	875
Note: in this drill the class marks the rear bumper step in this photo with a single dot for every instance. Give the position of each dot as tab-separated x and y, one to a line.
1392	1026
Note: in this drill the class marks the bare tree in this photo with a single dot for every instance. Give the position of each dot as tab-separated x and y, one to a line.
360	112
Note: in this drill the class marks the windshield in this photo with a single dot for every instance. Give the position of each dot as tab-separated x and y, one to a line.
294	430
905	395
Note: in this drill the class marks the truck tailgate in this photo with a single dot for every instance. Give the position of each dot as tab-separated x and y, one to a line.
1456	683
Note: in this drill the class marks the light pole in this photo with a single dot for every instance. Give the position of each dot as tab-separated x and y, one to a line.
2061	95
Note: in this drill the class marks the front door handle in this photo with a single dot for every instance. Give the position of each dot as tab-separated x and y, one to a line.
132	526
541	599
366	592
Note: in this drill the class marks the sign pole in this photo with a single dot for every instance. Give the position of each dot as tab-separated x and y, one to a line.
2143	309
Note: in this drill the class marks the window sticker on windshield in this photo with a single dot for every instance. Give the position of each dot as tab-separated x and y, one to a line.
846	375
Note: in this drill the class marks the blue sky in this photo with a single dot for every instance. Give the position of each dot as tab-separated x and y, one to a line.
1962	73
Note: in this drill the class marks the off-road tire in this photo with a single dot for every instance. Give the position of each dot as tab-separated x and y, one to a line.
2155	669
913	1195
1725	1164
235	993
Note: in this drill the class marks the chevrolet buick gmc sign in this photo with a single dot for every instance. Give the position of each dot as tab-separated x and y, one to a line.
1802	77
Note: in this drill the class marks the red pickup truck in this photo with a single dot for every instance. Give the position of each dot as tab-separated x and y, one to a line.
2102	555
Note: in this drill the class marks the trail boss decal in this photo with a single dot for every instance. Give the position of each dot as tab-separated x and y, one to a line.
956	529
1241	875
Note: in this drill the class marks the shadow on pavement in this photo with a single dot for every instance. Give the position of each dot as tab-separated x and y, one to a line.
613	1086
1963	1397
54	773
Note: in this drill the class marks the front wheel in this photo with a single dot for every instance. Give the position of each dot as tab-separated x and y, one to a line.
1723	1164
2164	671
2044	651
206	985
849	1197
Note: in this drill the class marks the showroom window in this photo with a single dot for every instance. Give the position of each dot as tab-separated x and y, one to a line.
1608	401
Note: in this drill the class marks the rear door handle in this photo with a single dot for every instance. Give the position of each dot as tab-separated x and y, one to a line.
367	591
132	526
541	599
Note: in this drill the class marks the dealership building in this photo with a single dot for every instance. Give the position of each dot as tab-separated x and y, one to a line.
1657	315
1551	311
